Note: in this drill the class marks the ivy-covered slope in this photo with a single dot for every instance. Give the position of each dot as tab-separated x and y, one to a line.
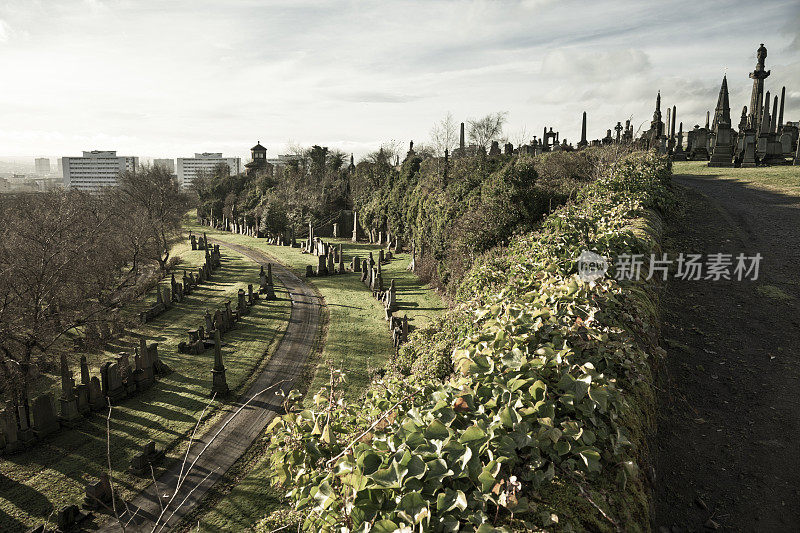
543	421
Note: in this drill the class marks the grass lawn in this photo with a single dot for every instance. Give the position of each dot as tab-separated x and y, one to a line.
357	340
54	473
785	178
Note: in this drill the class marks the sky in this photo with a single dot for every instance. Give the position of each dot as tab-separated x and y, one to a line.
169	78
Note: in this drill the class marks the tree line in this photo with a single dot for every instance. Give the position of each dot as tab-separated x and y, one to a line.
70	260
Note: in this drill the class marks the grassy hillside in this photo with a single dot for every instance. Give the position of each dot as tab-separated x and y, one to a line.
54	473
357	338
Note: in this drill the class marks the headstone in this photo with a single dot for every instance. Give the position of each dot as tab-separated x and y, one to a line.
112	381
309	271
97	399
331	262
391	298
25	432
209	322
219	384
219	322
405	328
69	518
251	296
241	304
322	268
193	240
44	416
149	456
84	371
9	432
82	395
99	494
228	315
356	264
68	400
335	230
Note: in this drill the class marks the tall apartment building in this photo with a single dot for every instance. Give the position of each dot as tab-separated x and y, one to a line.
168	164
42	166
96	169
188	167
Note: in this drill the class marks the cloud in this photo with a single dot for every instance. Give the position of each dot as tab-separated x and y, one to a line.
5	31
377	97
171	78
615	65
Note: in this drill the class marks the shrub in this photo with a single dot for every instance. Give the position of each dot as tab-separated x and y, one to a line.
548	404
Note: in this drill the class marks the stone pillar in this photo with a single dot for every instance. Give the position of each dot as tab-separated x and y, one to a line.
219	383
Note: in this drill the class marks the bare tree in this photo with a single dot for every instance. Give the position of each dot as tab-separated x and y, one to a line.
65	261
444	135
484	130
520	137
152	197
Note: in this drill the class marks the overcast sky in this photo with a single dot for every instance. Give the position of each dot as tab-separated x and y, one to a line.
167	78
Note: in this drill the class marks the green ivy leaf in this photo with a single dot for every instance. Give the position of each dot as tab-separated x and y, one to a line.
472	433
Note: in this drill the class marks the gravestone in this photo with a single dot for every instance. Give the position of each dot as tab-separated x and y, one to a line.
82	399
69	518
143	374
219	322
149	456
356	264
219	384
241	304
209	322
391	298
26	435
331	262
85	377
251	296
341	260
309	271
228	316
9	432
113	387
193	240
97	399
68	400
322	268
405	328
45	421
364	270
98	494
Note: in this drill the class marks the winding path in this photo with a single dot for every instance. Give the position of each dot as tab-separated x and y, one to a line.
235	433
728	442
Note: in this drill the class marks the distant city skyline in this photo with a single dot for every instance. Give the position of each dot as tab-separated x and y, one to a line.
167	80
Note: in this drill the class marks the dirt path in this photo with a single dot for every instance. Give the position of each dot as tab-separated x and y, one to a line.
727	451
286	366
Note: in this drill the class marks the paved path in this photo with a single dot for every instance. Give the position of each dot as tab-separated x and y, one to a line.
235	433
728	442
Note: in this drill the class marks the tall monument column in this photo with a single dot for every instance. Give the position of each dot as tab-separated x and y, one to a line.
756	98
583	142
657	128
